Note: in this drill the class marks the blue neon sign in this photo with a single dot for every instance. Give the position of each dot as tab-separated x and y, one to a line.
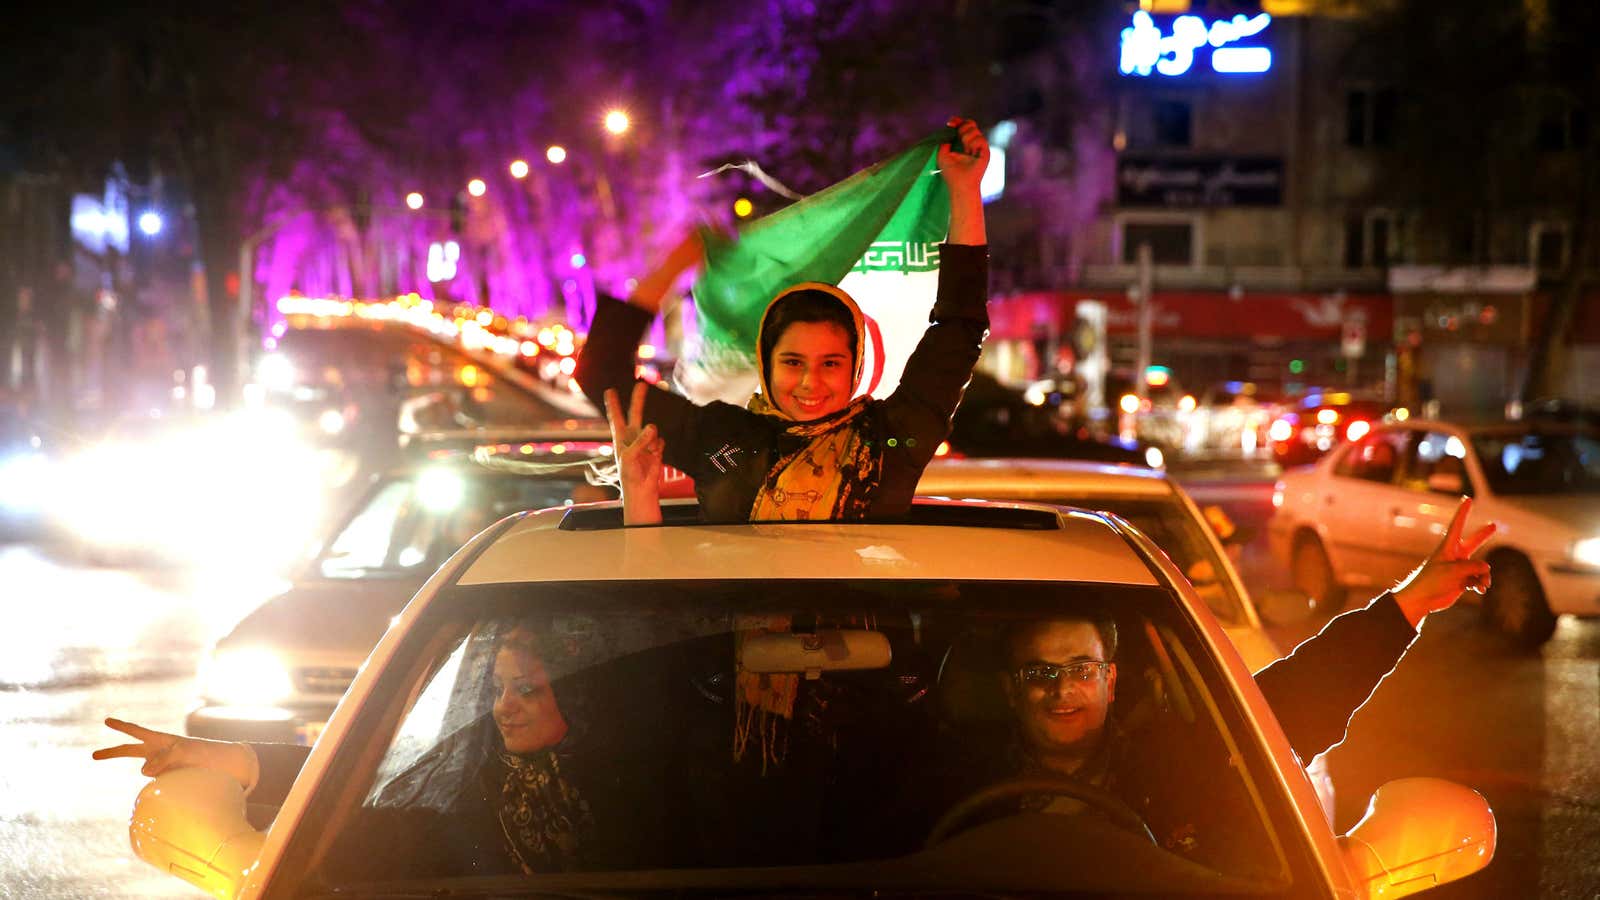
1146	50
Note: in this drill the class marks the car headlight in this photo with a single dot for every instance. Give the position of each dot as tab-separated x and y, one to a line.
246	677
1587	552
1154	458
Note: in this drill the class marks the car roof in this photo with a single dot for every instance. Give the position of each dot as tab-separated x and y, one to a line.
940	540
1040	478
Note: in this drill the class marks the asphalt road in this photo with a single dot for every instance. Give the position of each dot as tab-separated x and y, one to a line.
80	643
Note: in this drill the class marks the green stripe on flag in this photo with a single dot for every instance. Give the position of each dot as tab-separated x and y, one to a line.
887	217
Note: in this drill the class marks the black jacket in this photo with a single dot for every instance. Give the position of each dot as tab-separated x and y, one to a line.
728	450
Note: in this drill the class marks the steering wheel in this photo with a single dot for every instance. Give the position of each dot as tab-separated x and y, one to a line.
1103	802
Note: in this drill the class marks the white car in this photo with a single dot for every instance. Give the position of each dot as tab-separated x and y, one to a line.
1366	513
573	708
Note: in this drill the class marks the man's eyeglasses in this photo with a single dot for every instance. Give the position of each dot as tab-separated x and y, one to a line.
1043	674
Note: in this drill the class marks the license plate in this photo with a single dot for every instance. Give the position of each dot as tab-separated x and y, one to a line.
307	734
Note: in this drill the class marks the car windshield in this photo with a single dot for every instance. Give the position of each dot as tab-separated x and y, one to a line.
1182	536
1540	462
563	737
364	362
410	524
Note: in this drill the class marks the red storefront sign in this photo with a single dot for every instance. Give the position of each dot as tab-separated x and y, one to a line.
1201	314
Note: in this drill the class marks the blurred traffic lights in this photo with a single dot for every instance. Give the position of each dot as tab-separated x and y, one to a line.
1296	366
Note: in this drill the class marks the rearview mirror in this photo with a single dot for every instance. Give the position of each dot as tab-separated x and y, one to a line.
1419	833
191	823
825	651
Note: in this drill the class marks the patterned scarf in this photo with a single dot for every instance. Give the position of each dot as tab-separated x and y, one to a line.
542	815
831	475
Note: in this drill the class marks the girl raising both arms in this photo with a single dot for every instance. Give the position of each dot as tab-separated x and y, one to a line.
805	446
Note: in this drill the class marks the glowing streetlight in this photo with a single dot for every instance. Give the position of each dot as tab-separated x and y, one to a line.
476	187
617	121
150	223
557	154
519	169
414	200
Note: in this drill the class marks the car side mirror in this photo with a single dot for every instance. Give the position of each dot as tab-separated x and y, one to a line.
1282	607
191	823
1446	483
1419	833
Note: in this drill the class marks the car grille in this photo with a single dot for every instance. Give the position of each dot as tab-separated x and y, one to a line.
324	679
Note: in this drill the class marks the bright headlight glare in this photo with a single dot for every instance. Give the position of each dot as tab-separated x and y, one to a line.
1154	458
440	490
246	677
275	372
1587	551
24	483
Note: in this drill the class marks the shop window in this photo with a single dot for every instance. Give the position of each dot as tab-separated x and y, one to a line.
1161	122
1370	117
1171	243
1373	240
1548	246
1170	123
1563	128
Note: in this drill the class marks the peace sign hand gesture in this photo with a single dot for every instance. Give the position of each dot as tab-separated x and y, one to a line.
163	752
1448	571
639	449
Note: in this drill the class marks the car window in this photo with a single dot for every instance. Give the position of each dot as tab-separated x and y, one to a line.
1376	457
1181	536
724	728
1436	463
411	525
1540	462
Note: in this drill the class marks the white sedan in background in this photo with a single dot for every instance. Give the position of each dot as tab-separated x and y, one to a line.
1363	515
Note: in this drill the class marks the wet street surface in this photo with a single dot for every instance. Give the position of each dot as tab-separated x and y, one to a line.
82	642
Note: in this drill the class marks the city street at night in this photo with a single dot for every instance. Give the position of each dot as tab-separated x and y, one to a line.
859	449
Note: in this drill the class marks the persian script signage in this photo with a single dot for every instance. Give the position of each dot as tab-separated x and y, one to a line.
1200	181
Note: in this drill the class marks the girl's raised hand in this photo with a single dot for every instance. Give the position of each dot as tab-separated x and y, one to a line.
639	449
962	164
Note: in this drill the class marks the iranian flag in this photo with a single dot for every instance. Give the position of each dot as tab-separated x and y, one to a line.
876	235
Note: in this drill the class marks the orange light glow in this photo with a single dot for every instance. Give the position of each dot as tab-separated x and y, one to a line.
1327	417
468	375
1129	403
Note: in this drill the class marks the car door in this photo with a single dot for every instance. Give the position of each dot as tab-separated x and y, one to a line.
1432	479
1355	506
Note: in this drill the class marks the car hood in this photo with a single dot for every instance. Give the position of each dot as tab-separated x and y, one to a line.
1580	513
326	617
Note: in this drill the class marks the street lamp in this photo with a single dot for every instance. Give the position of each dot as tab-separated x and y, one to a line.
476	187
519	169
617	121
414	200
557	154
150	223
